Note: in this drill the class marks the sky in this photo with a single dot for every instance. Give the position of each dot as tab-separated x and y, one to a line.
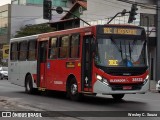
3	2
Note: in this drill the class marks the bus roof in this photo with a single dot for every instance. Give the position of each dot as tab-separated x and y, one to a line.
68	31
24	38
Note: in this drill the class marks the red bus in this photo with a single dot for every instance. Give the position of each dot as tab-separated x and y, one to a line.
101	59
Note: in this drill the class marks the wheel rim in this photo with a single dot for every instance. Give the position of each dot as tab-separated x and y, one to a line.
73	89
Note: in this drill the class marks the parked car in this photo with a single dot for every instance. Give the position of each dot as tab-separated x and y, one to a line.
4	73
158	86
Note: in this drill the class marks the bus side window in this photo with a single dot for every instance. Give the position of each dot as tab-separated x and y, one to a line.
75	40
64	47
14	51
32	50
23	50
53	49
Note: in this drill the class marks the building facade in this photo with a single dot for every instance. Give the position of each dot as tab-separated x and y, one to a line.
62	3
4	24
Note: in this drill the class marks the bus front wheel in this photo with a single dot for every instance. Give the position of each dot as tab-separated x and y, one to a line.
118	96
72	90
29	85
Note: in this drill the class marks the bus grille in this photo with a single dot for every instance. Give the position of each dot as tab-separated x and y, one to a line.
121	86
124	71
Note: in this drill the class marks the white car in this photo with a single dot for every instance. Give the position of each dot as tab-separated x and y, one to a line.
158	86
4	73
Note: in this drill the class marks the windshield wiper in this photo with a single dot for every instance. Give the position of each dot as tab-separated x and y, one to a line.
119	48
130	51
133	44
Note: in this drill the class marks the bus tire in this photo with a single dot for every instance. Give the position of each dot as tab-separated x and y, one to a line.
29	85
118	96
72	90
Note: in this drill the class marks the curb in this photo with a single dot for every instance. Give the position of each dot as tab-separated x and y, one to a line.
153	91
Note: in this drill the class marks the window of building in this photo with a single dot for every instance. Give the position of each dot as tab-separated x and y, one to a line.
22	2
35	2
61	3
4	14
53	49
15	2
75	46
32	45
14	51
3	22
64	47
23	47
3	31
148	20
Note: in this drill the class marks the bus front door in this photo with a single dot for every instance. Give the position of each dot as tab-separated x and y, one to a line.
41	64
87	64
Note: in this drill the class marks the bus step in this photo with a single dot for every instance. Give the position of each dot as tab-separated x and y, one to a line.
87	92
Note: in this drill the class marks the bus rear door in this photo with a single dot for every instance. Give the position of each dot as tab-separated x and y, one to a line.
41	64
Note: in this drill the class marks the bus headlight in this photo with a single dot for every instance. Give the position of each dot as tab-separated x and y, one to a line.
103	80
146	79
99	77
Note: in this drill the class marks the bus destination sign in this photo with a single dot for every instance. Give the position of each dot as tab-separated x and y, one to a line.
121	31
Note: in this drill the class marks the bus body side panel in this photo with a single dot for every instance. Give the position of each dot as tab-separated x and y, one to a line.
33	71
19	70
13	72
57	73
51	74
23	70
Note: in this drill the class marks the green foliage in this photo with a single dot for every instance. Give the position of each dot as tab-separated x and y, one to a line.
33	30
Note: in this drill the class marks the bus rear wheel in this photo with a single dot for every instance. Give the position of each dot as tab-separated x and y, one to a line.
72	90
29	85
118	96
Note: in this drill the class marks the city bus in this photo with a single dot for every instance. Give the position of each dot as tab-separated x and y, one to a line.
101	59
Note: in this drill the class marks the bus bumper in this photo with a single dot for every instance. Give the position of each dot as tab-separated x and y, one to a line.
101	88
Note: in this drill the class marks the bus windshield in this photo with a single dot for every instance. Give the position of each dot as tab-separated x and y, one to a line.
120	52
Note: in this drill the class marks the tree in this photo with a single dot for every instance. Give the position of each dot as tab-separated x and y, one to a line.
33	30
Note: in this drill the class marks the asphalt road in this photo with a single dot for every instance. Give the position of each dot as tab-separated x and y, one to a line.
14	98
